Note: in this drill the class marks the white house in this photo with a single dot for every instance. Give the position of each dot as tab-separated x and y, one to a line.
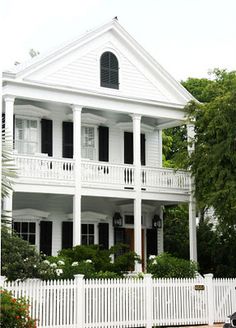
86	123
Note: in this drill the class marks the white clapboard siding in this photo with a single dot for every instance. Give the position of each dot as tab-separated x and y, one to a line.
84	73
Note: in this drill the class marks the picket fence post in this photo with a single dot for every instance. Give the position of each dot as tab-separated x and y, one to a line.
79	301
149	299
210	297
2	281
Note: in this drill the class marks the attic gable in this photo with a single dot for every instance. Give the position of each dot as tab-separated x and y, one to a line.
77	66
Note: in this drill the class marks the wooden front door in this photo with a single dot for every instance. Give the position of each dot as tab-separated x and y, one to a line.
129	240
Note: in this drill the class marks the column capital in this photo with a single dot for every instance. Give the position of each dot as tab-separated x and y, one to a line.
9	98
76	108
136	116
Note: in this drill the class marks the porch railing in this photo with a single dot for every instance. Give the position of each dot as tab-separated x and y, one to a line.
116	176
44	168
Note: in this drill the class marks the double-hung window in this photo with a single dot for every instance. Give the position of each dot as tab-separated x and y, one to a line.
26	230
87	234
88	142
26	136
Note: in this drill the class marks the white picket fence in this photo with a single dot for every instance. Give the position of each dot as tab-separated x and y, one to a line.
130	302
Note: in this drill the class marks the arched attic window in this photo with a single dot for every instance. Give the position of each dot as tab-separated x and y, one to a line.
109	67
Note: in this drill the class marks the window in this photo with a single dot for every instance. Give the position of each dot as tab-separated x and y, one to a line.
109	70
88	142
87	234
26	136
26	230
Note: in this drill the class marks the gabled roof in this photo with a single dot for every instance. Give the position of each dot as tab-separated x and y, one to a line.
40	61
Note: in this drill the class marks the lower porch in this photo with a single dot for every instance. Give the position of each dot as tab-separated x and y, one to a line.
46	220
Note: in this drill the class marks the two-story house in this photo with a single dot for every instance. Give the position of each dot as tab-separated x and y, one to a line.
86	124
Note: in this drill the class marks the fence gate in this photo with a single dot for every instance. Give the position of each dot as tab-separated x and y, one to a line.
224	297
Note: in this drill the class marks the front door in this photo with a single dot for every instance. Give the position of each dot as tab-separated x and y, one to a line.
129	240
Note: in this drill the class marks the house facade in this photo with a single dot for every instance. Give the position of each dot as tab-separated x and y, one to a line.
85	122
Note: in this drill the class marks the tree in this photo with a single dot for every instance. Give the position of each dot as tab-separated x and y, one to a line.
213	162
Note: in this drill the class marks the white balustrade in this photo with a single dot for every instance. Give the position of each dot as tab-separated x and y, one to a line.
164	178
44	168
116	176
108	174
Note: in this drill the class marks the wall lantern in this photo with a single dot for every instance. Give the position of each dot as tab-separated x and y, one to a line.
156	222
117	220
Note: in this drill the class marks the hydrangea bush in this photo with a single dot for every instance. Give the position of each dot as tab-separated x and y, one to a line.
168	266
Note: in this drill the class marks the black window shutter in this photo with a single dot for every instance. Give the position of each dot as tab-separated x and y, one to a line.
109	70
143	159
3	123
128	148
46	137
67	139
67	234
14	130
151	242
46	237
103	235
103	143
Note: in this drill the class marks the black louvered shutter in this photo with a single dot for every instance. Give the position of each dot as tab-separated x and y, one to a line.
151	242
103	143
103	235
46	137
67	140
67	234
109	70
14	130
3	123
128	148
143	159
46	237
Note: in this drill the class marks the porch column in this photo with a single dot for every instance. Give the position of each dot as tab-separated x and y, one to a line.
77	169
137	181
9	112
192	201
160	236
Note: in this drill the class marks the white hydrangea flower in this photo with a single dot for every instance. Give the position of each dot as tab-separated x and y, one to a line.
88	261
46	262
61	262
53	265
74	264
59	272
152	257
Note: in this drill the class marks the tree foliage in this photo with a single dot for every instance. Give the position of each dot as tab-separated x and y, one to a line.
213	162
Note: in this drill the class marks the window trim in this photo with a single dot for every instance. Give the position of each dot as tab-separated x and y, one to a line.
95	127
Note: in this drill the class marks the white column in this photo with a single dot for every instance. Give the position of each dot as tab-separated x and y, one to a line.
192	201
9	112
137	181
160	146
160	234
77	158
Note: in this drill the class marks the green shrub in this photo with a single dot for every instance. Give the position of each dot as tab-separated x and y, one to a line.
168	266
91	261
15	312
20	260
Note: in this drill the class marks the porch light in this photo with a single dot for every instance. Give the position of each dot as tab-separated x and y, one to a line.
156	222
117	220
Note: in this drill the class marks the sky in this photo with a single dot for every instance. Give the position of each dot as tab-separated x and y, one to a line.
187	37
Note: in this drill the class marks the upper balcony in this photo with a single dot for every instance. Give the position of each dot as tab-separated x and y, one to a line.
99	175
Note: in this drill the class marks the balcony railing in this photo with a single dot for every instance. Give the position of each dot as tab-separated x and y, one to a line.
99	174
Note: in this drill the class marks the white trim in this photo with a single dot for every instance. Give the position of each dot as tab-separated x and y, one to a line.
128	126
95	216
30	111
30	211
89	118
